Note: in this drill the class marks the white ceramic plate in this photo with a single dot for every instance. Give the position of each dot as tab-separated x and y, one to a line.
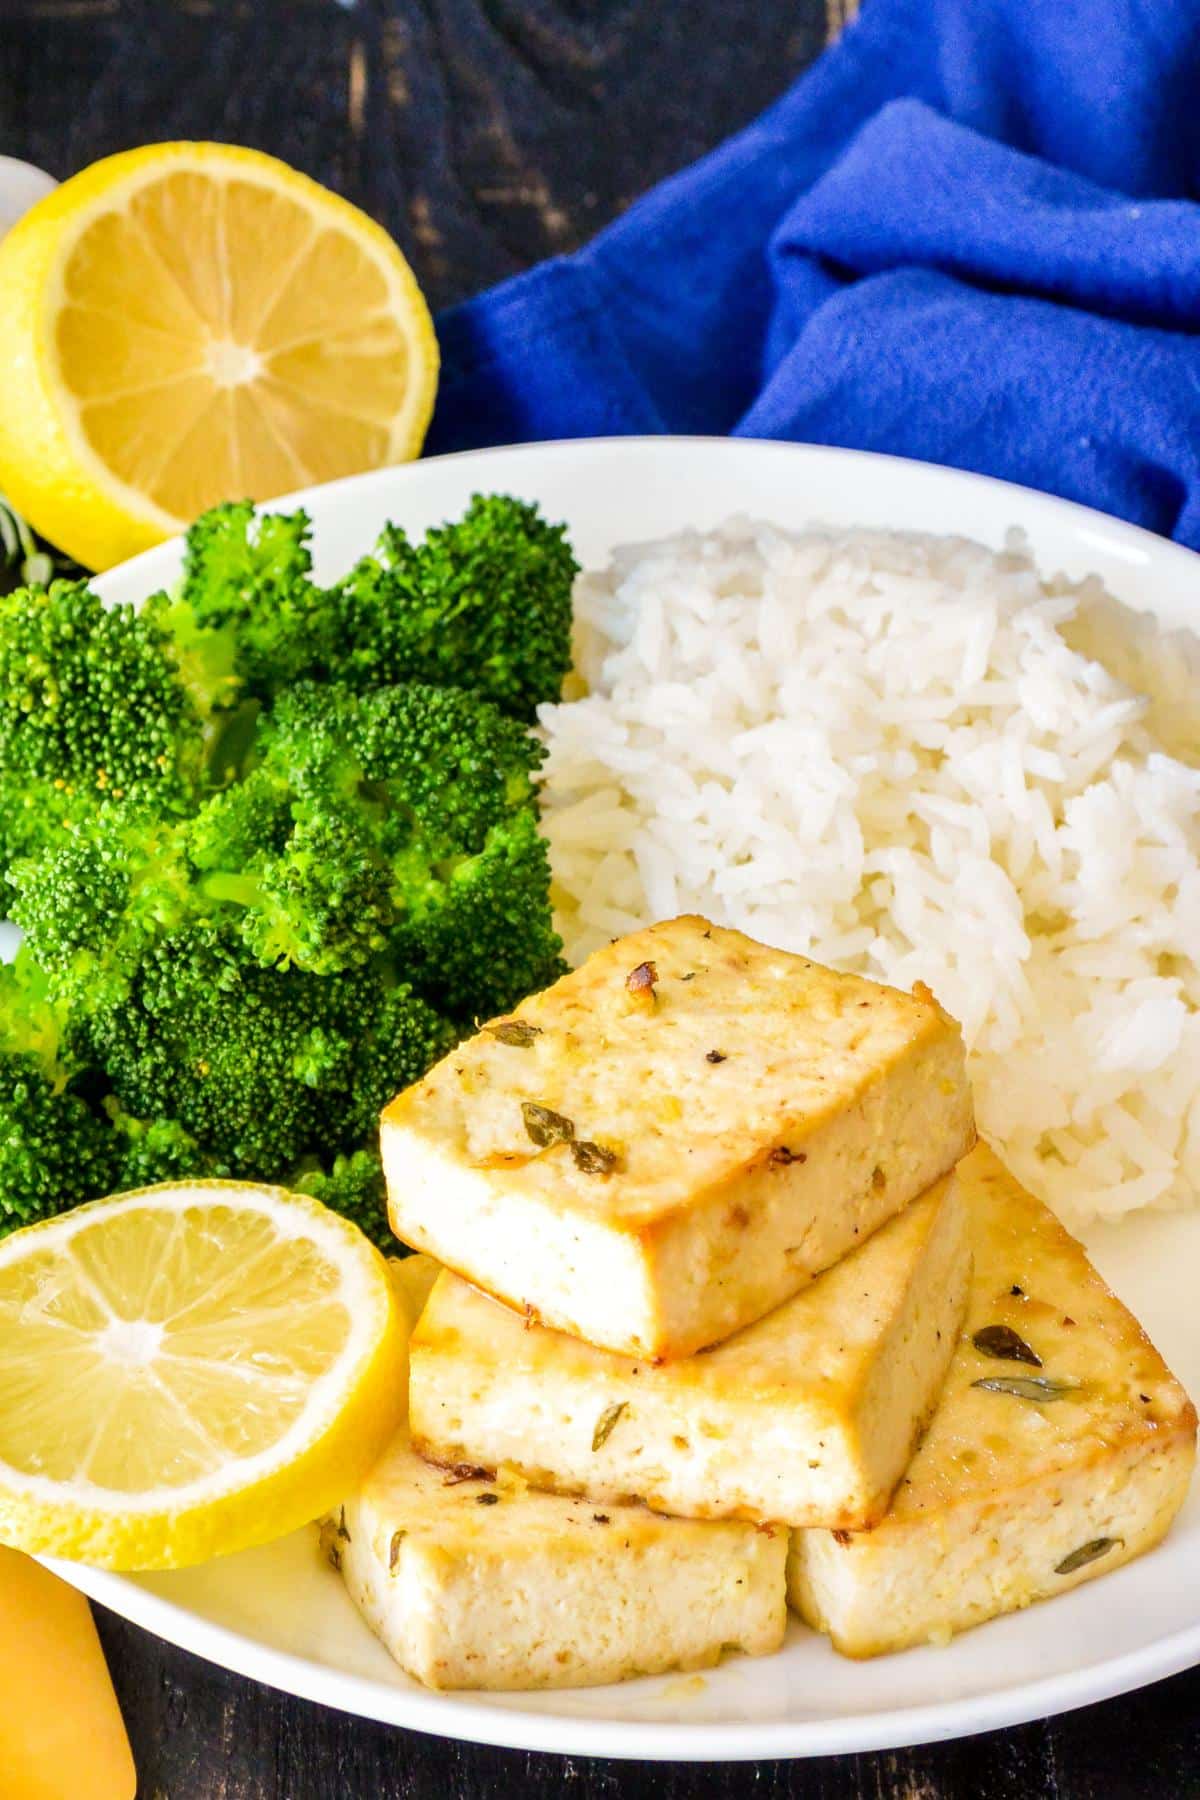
280	1615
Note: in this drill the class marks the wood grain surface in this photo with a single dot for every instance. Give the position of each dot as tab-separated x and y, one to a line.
199	1734
485	134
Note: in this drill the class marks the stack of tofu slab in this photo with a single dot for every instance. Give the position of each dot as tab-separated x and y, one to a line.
718	1308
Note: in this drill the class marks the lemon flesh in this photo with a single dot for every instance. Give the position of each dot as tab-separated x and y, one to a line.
188	1370
189	323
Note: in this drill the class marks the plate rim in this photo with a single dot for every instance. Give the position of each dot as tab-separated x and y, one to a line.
463	1715
1151	543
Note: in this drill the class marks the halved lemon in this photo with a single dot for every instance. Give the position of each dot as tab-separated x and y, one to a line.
188	323
188	1370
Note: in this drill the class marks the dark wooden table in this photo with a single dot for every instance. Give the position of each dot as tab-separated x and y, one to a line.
485	134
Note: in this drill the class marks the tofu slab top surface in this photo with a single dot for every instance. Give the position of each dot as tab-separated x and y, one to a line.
473	1513
674	1138
1100	1383
735	1053
1062	1447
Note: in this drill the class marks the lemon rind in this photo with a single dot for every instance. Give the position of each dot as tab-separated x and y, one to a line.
48	469
161	1533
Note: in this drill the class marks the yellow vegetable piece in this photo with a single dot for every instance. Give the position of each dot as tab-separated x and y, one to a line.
188	323
61	1733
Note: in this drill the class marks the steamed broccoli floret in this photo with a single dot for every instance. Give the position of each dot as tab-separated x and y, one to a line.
323	903
247	611
262	1066
273	851
485	939
90	906
153	1150
483	604
54	1149
439	763
92	710
354	1187
236	1053
314	891
35	816
400	822
397	1036
88	693
251	818
32	1022
61	1141
243	566
448	759
65	903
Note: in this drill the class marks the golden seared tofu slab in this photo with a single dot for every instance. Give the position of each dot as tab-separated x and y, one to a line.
808	1416
476	1583
676	1137
1062	1448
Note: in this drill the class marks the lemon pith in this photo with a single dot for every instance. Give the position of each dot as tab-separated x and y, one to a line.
189	1370
187	323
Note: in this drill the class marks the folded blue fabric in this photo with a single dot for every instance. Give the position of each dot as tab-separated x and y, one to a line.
967	234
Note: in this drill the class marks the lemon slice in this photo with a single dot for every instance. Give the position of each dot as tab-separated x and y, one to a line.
188	323
188	1370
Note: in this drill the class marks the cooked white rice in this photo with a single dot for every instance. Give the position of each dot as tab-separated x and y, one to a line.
900	755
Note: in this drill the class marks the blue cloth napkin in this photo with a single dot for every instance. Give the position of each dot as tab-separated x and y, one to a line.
967	234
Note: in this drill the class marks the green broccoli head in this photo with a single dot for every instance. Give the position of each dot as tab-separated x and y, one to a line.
257	902
88	693
91	904
319	900
92	710
353	1186
55	1150
229	1049
484	939
64	902
250	819
452	763
243	564
36	817
483	604
344	839
247	618
261	1065
436	763
290	856
61	1140
153	1150
399	1037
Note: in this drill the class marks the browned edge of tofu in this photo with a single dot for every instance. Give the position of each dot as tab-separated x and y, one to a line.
702	1255
969	1548
1166	1462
